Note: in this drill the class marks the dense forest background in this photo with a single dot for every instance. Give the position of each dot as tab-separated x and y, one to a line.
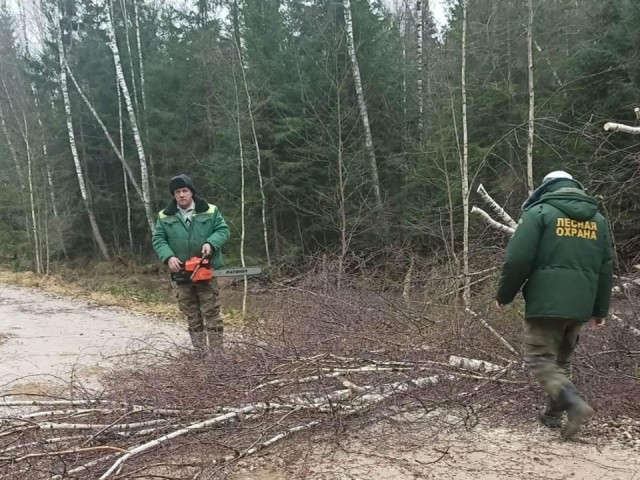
102	101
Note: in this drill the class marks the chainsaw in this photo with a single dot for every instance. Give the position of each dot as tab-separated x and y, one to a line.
198	269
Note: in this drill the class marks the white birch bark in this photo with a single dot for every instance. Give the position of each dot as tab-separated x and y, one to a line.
419	64
493	223
501	212
34	223
464	167
144	174
124	171
531	100
119	152
242	199
102	246
143	95
255	140
618	127
125	22
364	116
52	194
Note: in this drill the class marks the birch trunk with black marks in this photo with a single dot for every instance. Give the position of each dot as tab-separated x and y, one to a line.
531	100
124	171
362	105
133	120
464	166
95	230
136	16
419	64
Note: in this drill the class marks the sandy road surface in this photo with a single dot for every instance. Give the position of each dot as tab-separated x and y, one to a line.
46	338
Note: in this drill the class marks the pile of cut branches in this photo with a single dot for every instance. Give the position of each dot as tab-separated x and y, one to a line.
318	361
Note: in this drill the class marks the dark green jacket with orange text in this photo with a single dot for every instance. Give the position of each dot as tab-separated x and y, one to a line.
561	257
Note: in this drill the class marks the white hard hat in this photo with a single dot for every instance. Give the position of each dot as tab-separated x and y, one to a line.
557	174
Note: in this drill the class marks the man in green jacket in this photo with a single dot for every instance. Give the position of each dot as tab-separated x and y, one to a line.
190	227
561	257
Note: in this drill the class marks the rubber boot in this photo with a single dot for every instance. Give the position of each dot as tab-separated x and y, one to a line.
578	411
551	416
199	341
215	340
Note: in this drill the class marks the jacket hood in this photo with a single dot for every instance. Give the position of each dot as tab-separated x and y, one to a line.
550	185
573	202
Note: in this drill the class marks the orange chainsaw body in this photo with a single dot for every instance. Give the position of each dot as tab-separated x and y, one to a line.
198	269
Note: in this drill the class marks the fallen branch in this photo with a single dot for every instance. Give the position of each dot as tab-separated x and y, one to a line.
618	127
501	212
633	330
62	452
117	465
493	223
492	330
475	365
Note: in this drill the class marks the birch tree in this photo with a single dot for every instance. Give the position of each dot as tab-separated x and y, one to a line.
362	105
419	64
133	120
464	164
531	100
242	197
245	83
95	230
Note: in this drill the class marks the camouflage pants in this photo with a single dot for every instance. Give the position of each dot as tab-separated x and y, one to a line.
549	344
200	304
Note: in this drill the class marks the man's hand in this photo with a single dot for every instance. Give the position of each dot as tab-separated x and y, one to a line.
598	322
174	264
207	250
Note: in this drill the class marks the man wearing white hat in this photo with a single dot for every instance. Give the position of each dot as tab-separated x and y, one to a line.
561	257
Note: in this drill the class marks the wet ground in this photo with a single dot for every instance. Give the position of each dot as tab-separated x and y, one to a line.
49	339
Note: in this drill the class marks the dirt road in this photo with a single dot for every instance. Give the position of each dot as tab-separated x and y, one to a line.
46	339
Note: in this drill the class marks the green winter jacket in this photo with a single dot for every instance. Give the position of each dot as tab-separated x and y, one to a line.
561	252
172	238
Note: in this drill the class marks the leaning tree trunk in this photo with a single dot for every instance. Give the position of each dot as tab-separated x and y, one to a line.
531	100
464	167
144	173
95	230
118	151
253	131
362	105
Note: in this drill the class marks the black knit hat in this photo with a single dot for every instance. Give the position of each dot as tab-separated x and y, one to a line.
181	181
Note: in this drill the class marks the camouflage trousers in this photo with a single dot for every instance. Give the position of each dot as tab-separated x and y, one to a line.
200	304
549	344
